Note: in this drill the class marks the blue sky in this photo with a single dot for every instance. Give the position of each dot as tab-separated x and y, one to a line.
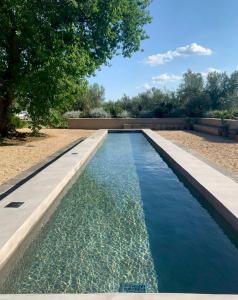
198	34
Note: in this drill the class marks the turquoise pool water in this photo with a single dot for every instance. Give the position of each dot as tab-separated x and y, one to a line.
129	219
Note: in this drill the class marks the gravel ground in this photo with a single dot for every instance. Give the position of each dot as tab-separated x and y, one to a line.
220	152
19	155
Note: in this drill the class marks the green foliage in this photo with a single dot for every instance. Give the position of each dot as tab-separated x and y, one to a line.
99	112
57	119
91	97
47	48
113	108
233	83
16	122
73	114
221	114
217	88
124	114
193	98
146	114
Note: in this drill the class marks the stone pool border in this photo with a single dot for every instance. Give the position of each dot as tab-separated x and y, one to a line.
47	185
39	193
12	184
220	190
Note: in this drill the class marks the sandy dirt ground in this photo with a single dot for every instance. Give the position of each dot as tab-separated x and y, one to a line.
219	151
17	156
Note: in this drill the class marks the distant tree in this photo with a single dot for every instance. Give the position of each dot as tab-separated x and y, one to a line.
126	103
232	98
192	83
233	83
152	103
48	47
132	105
114	108
91	97
217	88
157	102
193	99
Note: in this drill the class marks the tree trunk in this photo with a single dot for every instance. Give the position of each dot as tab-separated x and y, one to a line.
5	105
8	82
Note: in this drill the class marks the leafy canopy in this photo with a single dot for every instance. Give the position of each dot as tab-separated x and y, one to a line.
47	48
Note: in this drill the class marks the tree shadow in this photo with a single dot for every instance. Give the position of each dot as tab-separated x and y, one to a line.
21	138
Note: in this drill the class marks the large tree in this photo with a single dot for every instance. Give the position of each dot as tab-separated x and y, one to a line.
48	47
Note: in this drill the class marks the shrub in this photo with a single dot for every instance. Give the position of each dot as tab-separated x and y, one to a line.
98	112
56	120
124	114
197	105
113	108
221	114
16	122
146	114
72	114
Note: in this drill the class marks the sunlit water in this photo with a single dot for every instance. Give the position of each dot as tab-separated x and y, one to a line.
129	219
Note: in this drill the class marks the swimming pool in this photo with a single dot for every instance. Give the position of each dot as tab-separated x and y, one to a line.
129	219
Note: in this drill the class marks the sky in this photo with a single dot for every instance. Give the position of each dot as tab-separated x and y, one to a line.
201	35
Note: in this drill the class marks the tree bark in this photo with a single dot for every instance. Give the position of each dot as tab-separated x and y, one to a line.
5	106
8	82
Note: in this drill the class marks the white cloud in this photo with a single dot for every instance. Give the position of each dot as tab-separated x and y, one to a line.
147	86
165	78
188	50
209	70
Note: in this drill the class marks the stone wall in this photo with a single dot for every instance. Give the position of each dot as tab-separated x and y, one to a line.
128	123
233	124
214	126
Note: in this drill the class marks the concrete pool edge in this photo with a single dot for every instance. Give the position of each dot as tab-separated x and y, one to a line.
12	184
220	190
45	187
118	296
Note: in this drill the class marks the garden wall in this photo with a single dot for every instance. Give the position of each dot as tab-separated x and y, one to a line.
128	123
233	124
214	126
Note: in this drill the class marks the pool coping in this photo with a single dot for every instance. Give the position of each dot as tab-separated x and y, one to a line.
220	190
44	187
12	184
